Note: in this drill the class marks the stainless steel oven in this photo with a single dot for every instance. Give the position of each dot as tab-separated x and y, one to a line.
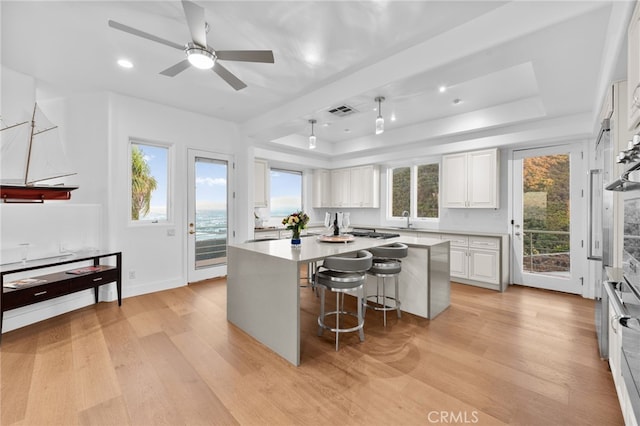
623	292
625	301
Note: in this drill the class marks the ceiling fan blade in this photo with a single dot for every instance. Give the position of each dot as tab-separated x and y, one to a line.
174	70
131	30
246	55
226	75
196	22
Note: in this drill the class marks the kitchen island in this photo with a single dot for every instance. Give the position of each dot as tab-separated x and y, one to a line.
263	284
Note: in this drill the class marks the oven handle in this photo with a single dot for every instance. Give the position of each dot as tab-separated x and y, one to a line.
621	315
618	308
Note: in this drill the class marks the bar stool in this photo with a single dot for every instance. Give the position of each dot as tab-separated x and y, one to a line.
343	275
386	264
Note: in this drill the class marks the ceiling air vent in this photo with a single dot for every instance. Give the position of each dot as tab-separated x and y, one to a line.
343	110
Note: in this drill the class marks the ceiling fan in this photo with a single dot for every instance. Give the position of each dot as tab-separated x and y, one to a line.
199	53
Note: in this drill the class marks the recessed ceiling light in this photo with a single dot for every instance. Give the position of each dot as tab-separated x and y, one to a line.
393	117
326	124
442	89
457	101
125	63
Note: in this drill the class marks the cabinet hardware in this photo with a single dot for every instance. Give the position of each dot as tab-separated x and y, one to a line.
97	279
40	293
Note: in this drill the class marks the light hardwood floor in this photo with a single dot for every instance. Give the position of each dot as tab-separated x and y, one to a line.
523	357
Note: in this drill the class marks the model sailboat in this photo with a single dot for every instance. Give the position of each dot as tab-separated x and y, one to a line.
32	157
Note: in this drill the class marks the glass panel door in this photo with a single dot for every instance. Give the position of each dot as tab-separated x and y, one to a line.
543	239
208	215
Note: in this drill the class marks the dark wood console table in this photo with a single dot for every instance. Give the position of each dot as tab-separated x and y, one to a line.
58	284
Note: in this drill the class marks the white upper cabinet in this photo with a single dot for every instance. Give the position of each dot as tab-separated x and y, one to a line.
340	188
365	186
321	188
349	187
633	68
454	180
261	184
471	179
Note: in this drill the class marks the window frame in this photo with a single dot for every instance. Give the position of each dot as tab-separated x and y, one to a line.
170	147
413	192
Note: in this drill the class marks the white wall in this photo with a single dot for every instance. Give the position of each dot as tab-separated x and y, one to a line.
157	258
95	129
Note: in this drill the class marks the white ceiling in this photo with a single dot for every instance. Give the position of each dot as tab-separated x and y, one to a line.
511	64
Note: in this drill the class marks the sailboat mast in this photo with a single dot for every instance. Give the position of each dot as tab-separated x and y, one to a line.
33	125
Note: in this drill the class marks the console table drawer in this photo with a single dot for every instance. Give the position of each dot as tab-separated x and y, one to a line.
83	282
27	296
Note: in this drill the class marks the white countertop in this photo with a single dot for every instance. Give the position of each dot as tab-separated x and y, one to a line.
312	249
433	231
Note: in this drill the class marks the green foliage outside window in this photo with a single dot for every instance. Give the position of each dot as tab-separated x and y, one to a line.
401	191
546	202
426	187
142	184
428	178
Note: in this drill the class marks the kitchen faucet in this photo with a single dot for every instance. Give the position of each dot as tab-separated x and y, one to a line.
406	214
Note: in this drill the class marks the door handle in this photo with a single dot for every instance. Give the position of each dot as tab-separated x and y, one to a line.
191	228
517	234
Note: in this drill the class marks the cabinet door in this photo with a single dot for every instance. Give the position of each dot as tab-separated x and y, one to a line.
371	189
261	184
340	187
458	262
454	180
482	175
365	186
321	188
633	69
357	186
484	265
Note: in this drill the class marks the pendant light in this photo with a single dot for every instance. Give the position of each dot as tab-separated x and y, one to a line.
379	120
312	138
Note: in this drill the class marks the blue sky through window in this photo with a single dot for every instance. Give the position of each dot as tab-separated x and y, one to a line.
211	185
286	193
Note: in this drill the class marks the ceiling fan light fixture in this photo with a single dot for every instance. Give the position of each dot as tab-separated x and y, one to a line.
312	137
379	119
199	57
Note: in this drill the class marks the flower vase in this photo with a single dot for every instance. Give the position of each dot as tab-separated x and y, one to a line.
296	242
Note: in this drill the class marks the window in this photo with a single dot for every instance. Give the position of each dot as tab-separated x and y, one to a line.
415	190
149	182
427	190
401	198
286	192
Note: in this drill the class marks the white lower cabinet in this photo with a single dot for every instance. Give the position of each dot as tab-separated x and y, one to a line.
484	265
475	259
459	262
615	365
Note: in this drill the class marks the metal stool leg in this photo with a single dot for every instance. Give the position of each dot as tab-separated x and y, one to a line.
339	309
321	317
384	302
397	295
360	316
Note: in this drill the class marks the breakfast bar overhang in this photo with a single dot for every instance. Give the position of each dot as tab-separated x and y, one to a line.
263	284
